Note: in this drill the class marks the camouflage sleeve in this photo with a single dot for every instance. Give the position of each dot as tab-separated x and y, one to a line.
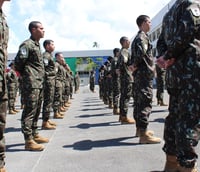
21	58
140	51
186	20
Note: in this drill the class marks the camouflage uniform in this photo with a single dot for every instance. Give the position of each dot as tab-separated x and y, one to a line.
92	81
76	82
12	84
100	82
29	63
115	82
126	80
49	84
143	79
59	85
180	39
4	32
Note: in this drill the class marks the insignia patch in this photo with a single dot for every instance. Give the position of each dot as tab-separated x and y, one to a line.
23	51
46	62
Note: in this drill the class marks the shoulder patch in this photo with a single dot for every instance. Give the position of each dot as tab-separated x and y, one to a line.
23	51
195	10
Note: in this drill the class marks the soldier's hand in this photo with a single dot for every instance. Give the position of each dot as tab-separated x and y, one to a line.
161	62
169	62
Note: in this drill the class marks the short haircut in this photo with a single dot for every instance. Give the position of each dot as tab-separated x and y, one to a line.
57	54
141	19
47	42
33	24
115	51
123	39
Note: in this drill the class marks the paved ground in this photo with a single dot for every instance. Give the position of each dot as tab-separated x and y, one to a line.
88	139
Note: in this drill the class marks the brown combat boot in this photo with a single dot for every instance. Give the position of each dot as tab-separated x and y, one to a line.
171	164
67	105
149	132
145	138
126	120
63	109
52	123
47	126
58	116
31	145
12	112
2	169
116	111
15	110
40	139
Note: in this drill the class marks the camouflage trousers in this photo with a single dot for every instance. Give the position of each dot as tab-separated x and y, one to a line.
32	105
3	109
57	99
143	95
126	93
49	90
116	92
182	125
11	97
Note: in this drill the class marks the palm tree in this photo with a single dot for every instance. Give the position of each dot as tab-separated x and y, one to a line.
95	44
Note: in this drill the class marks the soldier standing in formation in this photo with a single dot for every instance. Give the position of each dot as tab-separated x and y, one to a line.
49	85
142	59
179	52
126	80
12	85
76	82
4	32
115	81
92	81
29	63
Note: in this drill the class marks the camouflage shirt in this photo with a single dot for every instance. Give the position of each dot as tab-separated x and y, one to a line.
29	63
141	54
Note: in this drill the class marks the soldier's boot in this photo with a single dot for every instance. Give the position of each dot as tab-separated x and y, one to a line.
69	102
110	106
12	112
145	138
149	132
67	105
62	109
116	111
31	145
126	120
39	139
57	115
22	106
52	123
171	164
47	126
15	110
2	169
183	169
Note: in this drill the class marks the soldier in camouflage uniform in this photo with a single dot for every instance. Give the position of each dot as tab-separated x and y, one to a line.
142	59
100	81
12	84
49	84
29	63
59	86
115	81
179	52
126	80
4	32
92	81
76	82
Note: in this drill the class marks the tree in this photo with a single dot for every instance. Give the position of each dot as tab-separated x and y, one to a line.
95	44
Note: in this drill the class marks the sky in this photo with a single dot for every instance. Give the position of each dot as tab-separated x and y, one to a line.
77	24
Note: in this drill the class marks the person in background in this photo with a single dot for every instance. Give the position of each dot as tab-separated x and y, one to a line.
115	81
4	32
126	80
12	85
30	64
49	85
178	49
92	81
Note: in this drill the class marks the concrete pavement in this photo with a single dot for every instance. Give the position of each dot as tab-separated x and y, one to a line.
88	139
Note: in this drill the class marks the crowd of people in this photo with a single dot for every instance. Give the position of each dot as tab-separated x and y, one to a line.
45	84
